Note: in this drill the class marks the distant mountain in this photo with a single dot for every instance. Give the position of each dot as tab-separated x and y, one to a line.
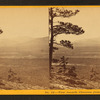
38	44
8	42
88	42
86	48
33	45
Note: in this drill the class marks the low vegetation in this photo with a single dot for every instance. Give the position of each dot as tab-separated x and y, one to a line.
67	77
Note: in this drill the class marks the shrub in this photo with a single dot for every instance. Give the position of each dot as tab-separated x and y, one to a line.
12	76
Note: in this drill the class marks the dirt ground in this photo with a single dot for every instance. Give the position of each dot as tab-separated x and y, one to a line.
68	81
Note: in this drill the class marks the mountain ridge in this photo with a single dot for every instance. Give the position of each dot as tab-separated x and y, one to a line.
87	42
31	45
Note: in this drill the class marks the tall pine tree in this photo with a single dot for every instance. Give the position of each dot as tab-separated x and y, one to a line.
61	28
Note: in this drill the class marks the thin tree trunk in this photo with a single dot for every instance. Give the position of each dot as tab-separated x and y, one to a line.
51	43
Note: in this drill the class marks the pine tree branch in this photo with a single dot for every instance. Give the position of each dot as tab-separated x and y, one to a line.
60	12
65	44
67	28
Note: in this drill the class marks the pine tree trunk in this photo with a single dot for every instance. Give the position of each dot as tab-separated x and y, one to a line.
51	43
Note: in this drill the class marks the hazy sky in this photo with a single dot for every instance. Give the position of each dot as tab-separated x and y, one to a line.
33	23
23	22
88	18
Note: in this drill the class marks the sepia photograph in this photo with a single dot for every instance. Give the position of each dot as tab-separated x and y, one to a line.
74	42
49	48
24	48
